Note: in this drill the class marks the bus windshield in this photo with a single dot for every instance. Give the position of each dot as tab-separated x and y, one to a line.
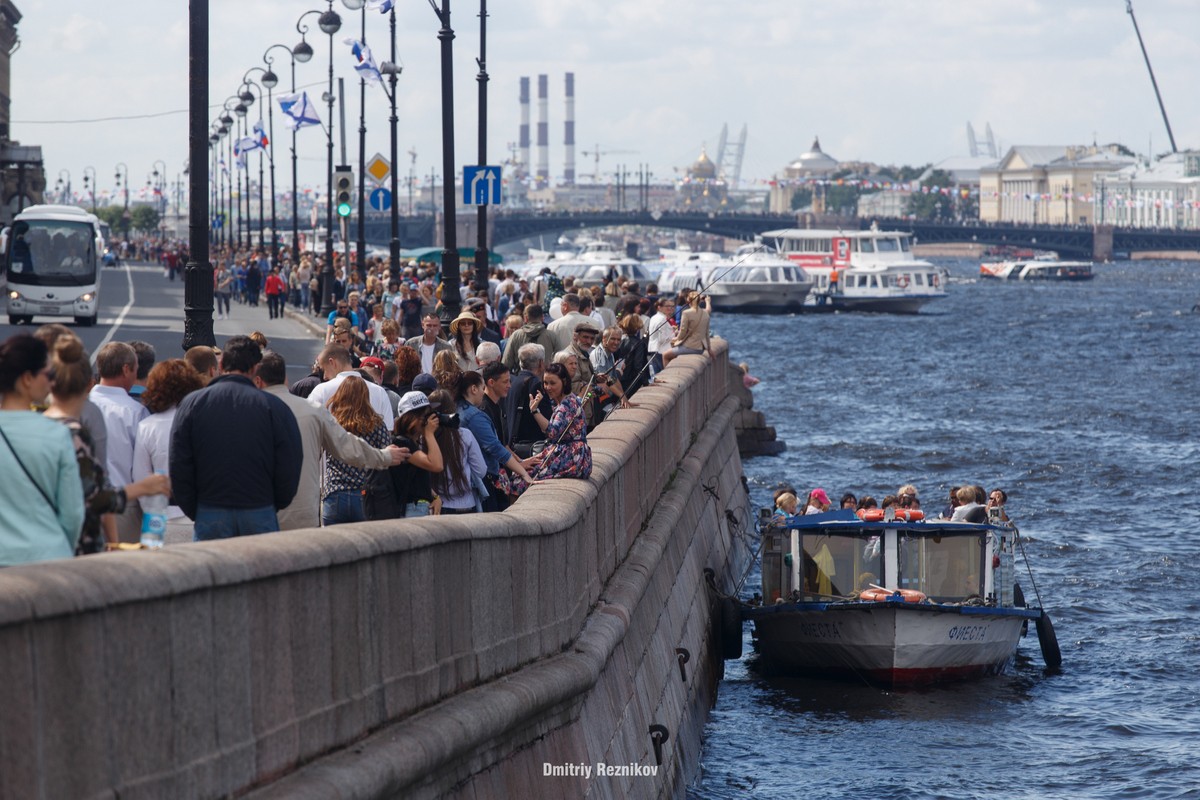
52	253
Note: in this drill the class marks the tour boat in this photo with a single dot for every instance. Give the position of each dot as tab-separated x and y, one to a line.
598	261
1044	267
892	599
754	280
869	270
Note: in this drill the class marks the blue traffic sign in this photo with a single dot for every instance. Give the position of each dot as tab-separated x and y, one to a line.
380	199
481	186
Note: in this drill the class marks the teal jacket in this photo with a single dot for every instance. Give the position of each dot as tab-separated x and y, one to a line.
30	529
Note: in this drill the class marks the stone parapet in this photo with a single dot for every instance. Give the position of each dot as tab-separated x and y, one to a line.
467	650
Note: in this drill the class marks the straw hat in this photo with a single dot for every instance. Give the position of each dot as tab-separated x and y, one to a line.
465	316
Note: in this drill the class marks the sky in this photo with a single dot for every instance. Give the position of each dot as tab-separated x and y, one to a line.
888	81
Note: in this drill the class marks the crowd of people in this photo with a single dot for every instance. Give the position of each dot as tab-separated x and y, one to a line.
400	416
969	503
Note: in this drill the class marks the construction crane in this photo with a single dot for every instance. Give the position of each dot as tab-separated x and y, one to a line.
1146	56
595	155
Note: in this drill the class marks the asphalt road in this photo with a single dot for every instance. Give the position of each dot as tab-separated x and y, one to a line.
138	302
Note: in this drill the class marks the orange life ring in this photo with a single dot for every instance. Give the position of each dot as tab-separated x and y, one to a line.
870	514
909	514
902	281
881	595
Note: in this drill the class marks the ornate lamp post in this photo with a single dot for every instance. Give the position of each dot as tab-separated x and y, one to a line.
393	70
239	110
64	187
481	251
360	5
246	86
90	184
160	183
198	272
270	80
125	215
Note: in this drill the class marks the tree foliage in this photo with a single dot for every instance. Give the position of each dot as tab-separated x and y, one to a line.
145	218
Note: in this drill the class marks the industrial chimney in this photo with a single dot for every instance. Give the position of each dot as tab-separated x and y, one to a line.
569	141
523	168
543	133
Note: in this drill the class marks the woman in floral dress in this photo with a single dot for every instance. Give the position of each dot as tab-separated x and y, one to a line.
567	454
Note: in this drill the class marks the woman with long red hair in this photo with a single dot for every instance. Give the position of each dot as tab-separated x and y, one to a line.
342	499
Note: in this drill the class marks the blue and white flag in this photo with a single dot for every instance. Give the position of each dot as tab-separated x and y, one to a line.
382	6
245	145
260	134
366	66
298	111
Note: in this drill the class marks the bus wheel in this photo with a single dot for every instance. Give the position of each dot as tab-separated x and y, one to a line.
14	319
85	322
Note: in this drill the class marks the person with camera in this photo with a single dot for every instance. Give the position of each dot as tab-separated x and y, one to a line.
405	490
460	486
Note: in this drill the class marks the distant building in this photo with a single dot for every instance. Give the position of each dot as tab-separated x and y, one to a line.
22	176
1052	185
1165	194
809	167
702	188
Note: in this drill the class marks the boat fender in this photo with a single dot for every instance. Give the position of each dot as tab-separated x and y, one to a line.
731	628
870	514
1051	653
880	595
902	281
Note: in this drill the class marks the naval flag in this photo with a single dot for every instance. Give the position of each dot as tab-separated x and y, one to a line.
366	66
382	6
298	111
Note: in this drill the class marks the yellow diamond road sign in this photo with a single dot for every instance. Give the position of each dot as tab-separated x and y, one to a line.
379	168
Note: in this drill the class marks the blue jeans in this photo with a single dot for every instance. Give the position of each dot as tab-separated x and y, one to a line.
343	506
213	522
304	298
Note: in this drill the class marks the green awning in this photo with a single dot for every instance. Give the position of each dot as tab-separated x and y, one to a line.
433	255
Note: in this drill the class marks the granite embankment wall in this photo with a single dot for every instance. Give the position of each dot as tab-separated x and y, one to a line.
435	657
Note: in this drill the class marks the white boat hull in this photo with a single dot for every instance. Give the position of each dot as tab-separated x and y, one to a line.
889	643
765	298
879	303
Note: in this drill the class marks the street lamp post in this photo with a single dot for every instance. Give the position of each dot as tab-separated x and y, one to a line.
247	84
90	184
64	187
160	181
481	251
392	70
125	214
329	22
198	272
360	5
240	110
271	80
451	298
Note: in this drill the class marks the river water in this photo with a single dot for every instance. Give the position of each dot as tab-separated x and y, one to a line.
1080	400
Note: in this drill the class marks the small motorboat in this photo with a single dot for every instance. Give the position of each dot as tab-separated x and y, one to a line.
892	599
1045	267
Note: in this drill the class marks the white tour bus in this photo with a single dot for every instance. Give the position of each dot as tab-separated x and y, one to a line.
52	264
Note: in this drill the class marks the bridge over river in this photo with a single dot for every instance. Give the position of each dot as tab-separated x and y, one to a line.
1099	242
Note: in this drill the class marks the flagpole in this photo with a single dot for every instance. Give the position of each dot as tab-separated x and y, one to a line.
357	5
481	251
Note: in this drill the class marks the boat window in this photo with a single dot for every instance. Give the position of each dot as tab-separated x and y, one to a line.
866	246
837	566
945	568
919	278
887	245
905	244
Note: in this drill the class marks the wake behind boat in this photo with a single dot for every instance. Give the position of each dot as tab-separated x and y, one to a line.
892	601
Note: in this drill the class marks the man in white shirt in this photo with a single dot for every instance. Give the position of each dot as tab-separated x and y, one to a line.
116	364
660	333
334	362
562	330
429	343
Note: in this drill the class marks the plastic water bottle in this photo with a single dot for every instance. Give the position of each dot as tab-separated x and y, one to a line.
154	520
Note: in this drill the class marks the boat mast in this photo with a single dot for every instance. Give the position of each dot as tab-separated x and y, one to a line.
1158	94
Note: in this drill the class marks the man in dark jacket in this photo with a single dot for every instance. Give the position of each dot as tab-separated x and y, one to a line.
236	451
526	384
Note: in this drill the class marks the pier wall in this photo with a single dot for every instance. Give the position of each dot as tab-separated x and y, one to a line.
435	657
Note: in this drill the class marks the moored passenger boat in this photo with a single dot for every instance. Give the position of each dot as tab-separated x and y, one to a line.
870	270
892	601
754	280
